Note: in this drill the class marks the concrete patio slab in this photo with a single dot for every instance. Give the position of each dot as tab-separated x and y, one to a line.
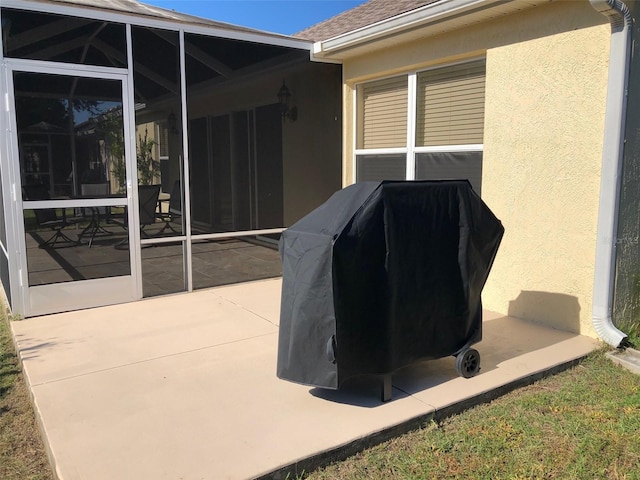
184	387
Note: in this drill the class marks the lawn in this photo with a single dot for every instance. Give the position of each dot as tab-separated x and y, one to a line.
583	423
22	454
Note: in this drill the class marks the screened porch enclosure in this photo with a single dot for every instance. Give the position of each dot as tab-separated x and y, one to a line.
154	160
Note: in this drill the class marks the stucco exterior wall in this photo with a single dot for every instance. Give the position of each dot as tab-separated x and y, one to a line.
544	120
543	154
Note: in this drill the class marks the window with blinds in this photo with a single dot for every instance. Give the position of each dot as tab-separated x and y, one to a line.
449	117
450	105
382	113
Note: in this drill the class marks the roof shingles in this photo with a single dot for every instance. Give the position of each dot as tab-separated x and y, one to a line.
365	14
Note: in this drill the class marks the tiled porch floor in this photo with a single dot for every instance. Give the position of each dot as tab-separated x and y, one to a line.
215	262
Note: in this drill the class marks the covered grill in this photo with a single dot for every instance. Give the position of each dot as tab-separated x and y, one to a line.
381	275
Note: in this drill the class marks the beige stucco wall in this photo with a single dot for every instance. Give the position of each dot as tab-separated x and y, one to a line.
543	151
544	120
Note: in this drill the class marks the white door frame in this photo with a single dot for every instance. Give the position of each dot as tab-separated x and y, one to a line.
58	297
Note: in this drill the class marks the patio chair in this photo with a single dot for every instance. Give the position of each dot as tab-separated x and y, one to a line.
147	204
95	190
48	217
175	210
148	201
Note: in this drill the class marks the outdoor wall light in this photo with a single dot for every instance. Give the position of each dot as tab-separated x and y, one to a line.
284	98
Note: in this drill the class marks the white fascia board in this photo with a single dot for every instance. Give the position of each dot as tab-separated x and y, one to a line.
422	17
317	56
156	22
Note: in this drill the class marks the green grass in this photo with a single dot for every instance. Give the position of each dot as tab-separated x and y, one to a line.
583	423
629	322
632	330
22	454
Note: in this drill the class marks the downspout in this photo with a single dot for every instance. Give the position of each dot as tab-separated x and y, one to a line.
615	117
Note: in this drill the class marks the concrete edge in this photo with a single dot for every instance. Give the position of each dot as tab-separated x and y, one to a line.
342	452
628	358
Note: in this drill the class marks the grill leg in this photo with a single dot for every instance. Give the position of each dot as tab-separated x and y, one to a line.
386	388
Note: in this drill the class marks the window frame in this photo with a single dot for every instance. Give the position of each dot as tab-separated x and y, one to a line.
410	149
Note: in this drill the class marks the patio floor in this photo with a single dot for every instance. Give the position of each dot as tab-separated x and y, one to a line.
184	387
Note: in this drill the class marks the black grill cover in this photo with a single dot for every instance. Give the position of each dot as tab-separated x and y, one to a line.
381	275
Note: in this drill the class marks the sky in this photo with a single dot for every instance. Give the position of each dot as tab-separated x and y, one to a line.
278	16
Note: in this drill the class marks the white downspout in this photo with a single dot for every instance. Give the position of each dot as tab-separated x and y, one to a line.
615	117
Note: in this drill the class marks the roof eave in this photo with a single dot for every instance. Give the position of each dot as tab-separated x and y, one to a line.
431	19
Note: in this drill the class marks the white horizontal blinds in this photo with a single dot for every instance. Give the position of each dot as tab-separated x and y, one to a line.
451	105
382	113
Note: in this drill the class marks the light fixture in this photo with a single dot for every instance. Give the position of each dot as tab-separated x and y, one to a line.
172	124
284	98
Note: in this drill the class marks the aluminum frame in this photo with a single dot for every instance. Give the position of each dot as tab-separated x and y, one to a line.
14	206
42	299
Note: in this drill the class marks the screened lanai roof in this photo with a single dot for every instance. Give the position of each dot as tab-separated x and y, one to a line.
134	8
137	8
216	52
